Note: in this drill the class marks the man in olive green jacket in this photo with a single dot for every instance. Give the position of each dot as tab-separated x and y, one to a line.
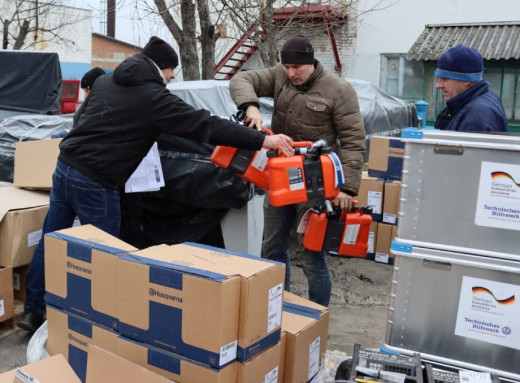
309	104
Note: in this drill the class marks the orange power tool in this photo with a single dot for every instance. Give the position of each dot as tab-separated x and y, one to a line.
338	233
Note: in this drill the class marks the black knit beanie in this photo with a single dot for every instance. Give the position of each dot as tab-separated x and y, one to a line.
461	63
88	78
297	50
161	53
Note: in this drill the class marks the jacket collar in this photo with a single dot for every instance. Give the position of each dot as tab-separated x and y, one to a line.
459	101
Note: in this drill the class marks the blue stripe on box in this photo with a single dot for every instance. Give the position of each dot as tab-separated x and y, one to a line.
305	311
79	301
169	266
164	360
244	354
165	332
78	362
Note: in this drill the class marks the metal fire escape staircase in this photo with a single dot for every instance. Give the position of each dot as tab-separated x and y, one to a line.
244	48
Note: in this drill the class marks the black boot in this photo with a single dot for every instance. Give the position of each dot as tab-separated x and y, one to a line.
31	321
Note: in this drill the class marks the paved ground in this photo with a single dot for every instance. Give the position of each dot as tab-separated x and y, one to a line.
357	313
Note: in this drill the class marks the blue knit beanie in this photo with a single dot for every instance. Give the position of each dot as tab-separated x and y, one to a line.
461	63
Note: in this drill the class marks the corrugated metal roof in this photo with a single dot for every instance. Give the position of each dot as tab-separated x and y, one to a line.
494	41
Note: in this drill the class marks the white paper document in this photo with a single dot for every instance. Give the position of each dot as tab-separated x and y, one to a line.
149	175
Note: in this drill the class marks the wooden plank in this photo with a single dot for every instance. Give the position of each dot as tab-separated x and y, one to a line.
9	326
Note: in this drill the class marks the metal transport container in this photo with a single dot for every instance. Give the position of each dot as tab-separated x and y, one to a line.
461	192
456	309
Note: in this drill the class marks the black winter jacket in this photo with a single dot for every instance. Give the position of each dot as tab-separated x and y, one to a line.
124	114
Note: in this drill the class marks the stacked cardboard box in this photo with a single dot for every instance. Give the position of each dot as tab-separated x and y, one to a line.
306	326
22	213
188	312
380	189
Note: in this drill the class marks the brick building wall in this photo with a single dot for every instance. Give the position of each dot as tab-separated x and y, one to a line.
345	44
108	53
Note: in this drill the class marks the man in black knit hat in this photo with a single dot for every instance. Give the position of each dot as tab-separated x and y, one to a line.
117	125
88	78
309	104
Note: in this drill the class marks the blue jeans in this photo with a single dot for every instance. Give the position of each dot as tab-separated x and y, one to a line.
72	194
280	224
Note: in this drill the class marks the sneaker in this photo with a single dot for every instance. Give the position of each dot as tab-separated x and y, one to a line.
31	321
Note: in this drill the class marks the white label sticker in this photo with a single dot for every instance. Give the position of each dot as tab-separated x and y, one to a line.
228	353
375	201
389	218
16	281
489	311
296	181
498	202
271	376
474	377
371	241
260	160
314	357
2	308
381	257
274	313
351	234
34	237
304	222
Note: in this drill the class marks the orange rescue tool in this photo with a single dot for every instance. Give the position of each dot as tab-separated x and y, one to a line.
338	233
313	172
250	165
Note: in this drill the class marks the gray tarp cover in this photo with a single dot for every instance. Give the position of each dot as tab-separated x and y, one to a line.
30	82
382	113
26	128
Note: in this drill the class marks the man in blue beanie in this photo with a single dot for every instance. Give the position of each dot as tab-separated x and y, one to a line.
470	105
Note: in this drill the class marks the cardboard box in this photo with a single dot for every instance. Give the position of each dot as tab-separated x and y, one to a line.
306	325
174	366
180	302
51	370
34	163
70	335
264	367
385	157
6	294
106	367
385	235
261	295
391	201
22	213
81	272
371	194
19	278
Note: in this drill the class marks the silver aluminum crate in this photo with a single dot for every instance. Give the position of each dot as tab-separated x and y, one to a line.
445	306
447	179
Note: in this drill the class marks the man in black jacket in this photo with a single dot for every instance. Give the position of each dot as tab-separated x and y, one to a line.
114	129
